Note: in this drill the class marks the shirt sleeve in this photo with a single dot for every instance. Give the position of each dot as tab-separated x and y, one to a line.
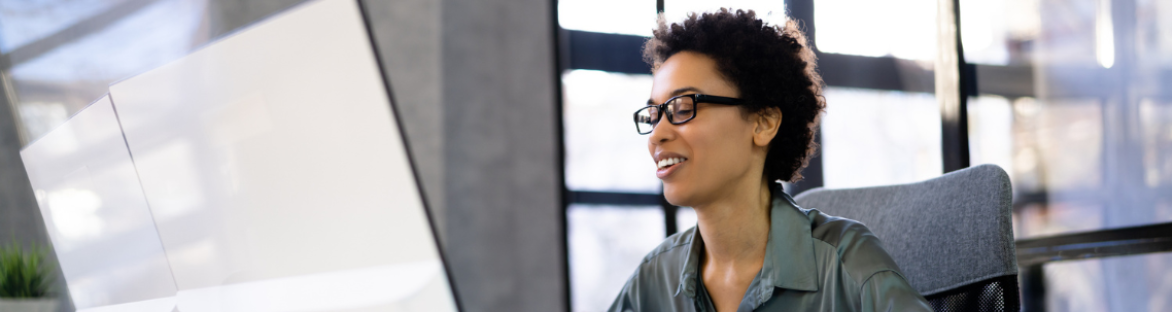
888	291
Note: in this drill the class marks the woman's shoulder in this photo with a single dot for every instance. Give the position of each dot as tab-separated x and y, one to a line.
667	261
860	252
656	281
680	242
838	231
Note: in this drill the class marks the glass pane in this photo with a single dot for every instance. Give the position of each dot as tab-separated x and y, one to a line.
128	38
772	12
604	151
607	243
608	16
54	85
872	137
638	17
1131	283
991	131
1156	139
22	22
1093	149
999	32
902	28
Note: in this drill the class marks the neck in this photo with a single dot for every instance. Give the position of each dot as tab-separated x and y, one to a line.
735	228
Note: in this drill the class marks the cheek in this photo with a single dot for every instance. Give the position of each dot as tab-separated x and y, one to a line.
723	149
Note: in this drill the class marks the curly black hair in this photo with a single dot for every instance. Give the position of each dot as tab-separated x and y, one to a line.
771	65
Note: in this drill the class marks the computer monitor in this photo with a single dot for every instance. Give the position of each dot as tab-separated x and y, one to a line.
97	216
276	173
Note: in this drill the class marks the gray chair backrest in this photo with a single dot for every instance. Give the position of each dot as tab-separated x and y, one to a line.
944	233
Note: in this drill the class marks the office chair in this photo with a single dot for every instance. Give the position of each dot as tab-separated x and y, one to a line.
952	235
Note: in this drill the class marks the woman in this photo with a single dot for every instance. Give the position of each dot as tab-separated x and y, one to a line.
741	99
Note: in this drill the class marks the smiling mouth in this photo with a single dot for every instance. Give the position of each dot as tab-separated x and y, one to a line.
668	162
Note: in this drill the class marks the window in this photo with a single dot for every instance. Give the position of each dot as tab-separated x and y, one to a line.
772	12
605	154
608	16
603	150
1089	147
607	243
904	29
50	87
872	137
27	21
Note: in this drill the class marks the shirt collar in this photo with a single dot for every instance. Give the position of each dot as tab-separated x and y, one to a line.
791	247
789	254
687	284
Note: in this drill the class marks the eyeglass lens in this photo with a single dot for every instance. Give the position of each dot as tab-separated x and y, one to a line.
680	110
646	118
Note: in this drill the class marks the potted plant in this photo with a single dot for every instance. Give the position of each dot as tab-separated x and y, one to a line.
24	281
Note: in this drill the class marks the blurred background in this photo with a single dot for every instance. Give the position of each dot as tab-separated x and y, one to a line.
518	116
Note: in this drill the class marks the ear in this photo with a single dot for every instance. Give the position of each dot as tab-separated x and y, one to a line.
766	124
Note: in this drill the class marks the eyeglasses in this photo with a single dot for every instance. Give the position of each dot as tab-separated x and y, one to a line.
679	109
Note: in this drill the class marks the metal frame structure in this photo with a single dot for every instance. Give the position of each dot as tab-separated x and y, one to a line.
1095	244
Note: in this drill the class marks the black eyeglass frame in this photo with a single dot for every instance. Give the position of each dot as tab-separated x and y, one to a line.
697	98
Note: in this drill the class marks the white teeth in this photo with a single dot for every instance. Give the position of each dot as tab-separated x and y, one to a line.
669	161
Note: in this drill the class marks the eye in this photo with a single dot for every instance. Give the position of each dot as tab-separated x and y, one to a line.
682	104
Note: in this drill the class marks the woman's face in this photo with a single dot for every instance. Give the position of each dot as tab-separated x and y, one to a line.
716	147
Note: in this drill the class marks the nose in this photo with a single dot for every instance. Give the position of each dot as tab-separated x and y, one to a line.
663	132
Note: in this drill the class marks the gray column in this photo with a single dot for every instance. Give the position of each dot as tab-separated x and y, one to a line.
407	34
504	213
225	16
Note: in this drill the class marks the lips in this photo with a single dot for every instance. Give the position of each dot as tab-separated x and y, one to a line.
669	164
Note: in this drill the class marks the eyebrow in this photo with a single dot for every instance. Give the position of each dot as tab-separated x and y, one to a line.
676	92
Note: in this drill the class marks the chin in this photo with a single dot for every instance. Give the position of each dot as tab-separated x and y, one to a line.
677	195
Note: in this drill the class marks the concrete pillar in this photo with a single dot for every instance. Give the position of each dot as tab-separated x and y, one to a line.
504	212
407	35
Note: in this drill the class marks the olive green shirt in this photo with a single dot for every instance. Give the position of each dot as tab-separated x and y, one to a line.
813	262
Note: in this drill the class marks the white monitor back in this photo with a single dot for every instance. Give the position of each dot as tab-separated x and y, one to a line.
276	175
97	217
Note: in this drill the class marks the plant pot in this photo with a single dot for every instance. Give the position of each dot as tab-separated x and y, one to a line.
28	305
